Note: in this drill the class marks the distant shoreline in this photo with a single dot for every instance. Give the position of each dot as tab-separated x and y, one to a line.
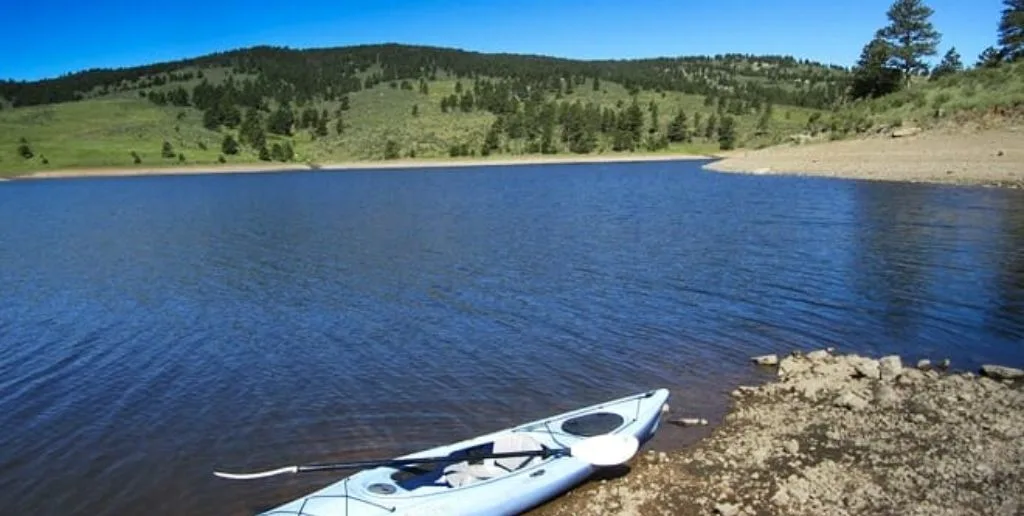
990	157
349	165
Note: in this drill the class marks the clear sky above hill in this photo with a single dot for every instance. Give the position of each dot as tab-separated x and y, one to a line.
53	37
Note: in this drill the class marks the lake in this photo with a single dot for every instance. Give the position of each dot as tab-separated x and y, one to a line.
153	329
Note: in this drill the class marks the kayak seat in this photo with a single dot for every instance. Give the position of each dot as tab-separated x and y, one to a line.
464	473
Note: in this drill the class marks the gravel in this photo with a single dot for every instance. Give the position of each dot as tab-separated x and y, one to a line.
838	434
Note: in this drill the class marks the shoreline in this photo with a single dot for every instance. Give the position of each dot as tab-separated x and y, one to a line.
837	434
989	157
261	167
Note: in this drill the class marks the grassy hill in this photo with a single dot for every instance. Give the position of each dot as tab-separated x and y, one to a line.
980	96
390	102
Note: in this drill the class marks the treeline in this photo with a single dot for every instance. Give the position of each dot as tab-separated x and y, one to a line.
305	75
897	52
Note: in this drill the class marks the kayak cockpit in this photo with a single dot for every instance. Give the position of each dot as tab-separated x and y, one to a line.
468	465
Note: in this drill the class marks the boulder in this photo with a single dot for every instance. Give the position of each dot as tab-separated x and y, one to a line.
924	364
851	401
868	368
998	372
818	355
889	367
766	360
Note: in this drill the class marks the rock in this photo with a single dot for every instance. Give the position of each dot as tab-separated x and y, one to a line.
919	418
781	498
727	509
910	377
997	372
791	365
791	446
818	355
945	363
889	367
851	401
689	421
886	396
904	132
868	368
766	360
924	364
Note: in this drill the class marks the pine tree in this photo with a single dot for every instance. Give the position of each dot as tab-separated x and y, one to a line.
288	151
709	131
281	121
415	110
950	64
872	77
321	128
251	126
24	150
1011	30
264	153
596	84
277	152
727	133
677	131
167	150
989	58
391	150
339	126
344	103
229	146
910	35
655	123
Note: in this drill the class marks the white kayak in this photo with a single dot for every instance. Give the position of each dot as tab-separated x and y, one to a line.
462	485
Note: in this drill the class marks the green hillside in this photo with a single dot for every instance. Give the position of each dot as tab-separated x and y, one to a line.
982	95
395	101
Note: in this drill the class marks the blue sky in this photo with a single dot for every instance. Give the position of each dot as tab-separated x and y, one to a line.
60	36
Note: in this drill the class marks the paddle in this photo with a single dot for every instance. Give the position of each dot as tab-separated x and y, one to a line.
602	450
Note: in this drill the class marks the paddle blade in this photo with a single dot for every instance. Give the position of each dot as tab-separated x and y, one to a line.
606	450
259	474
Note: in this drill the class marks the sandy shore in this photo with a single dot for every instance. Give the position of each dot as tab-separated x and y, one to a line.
986	157
356	165
839	434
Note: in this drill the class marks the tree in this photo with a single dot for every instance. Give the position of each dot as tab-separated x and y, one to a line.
989	58
391	150
136	158
229	146
289	152
493	138
950	64
277	152
281	121
167	150
873	77
910	35
321	128
339	126
1011	30
415	110
344	103
264	153
251	129
655	122
24	150
677	131
727	133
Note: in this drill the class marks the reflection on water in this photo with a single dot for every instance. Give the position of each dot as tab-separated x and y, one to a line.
152	329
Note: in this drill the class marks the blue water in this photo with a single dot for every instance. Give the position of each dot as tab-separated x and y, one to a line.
155	329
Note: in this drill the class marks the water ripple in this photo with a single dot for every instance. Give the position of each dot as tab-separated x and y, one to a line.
153	329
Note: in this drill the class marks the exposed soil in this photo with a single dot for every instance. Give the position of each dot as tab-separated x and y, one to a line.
838	435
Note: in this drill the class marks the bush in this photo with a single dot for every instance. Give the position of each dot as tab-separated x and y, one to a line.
391	150
167	150
181	157
220	159
136	158
24	150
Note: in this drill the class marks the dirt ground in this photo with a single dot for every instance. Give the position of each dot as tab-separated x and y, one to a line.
838	434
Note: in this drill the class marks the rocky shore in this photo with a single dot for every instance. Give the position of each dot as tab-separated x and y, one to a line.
839	434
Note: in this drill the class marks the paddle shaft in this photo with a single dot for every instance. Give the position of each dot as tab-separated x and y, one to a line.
397	463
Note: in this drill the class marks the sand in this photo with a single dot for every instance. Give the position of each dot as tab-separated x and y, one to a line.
993	157
838	434
355	165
